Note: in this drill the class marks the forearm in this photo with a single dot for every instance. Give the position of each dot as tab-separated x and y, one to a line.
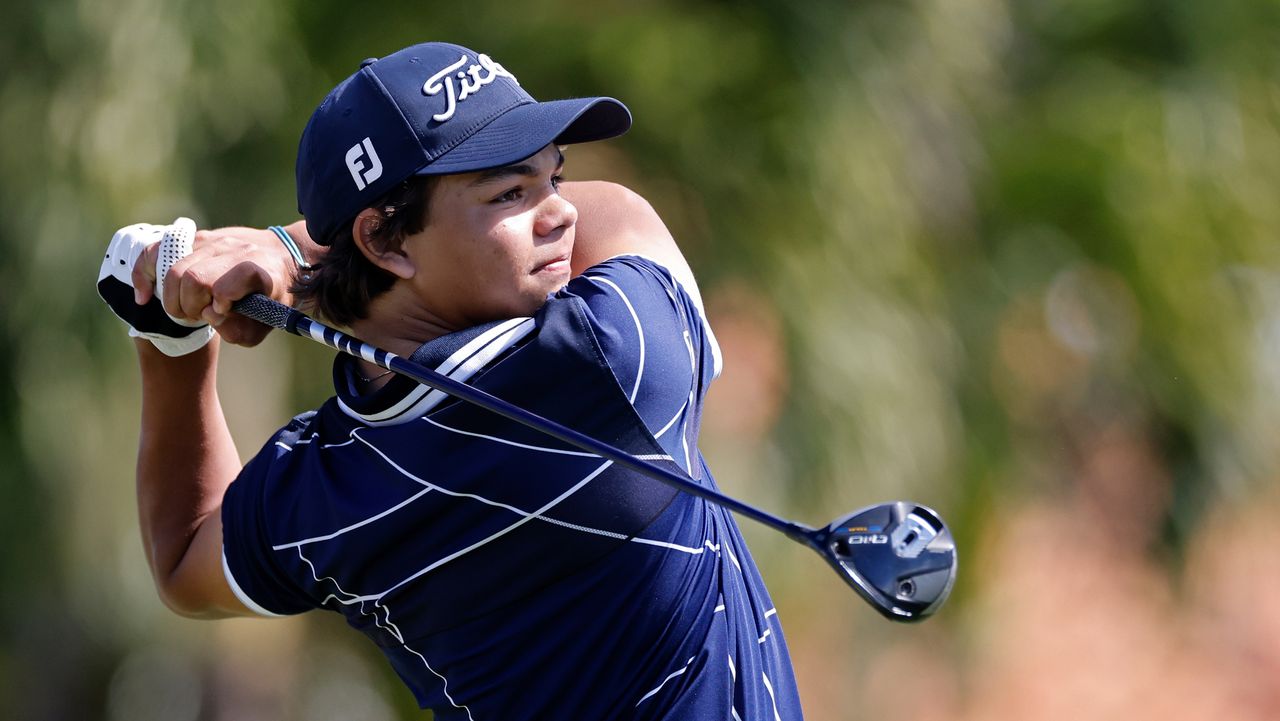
186	458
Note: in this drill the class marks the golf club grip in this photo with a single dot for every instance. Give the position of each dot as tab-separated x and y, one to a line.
267	311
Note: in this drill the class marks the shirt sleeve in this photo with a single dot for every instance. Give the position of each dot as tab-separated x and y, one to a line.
248	559
656	341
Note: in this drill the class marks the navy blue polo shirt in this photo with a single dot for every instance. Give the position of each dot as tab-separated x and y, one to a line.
504	574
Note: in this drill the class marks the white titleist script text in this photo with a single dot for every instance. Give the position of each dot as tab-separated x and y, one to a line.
475	77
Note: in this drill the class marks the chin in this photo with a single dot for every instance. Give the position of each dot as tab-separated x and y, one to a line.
550	283
529	305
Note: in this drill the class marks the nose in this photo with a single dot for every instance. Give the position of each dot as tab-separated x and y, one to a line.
555	213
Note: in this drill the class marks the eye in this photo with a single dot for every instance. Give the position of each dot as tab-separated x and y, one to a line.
510	196
556	180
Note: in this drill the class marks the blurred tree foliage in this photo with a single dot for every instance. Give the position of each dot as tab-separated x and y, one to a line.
990	230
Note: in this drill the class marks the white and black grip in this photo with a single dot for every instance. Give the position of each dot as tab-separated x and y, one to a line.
268	312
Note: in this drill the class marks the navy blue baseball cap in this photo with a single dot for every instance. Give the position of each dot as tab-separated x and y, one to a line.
429	109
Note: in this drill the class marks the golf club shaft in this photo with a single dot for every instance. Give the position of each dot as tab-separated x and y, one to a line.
277	315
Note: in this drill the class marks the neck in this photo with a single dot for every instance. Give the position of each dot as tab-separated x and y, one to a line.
398	323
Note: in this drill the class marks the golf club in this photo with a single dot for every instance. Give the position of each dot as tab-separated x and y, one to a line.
898	556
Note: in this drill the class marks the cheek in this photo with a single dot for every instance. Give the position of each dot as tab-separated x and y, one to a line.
507	249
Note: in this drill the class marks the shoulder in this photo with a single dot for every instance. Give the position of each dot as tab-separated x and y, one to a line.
640	311
269	478
297	431
627	285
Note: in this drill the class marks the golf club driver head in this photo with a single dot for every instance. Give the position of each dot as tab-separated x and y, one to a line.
898	556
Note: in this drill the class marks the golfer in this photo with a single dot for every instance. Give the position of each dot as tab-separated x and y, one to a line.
503	574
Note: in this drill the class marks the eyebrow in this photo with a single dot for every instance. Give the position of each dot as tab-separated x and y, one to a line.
506	171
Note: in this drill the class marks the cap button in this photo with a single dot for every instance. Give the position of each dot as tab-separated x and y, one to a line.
367	62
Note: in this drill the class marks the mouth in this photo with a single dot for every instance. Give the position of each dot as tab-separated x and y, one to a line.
554	266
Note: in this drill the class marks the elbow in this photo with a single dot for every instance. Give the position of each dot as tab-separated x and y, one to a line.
635	208
632	216
187	568
186	598
178	599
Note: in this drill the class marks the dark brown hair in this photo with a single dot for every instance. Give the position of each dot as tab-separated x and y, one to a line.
340	287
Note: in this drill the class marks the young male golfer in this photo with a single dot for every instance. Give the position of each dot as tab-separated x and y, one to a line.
504	575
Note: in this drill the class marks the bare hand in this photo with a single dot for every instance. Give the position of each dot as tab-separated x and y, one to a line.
224	266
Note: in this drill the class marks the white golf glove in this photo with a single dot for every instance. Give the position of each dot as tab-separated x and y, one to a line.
172	336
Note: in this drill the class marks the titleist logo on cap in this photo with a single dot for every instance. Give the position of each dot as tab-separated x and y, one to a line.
471	80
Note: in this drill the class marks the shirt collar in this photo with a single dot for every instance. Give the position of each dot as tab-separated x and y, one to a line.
458	355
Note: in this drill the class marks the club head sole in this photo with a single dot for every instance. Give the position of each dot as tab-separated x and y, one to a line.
899	556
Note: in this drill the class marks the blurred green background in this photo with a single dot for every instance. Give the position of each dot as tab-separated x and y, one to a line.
1016	260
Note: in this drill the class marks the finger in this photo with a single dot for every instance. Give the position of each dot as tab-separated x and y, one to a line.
185	295
239	281
243	331
170	290
144	275
194	293
212	317
175	247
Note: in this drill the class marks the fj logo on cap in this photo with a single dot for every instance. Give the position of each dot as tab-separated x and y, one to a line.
355	163
471	80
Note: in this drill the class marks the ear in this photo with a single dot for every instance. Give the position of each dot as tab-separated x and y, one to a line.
394	261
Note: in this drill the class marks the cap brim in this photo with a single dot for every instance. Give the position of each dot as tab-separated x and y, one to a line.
526	129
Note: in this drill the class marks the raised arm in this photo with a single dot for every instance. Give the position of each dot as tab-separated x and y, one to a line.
186	457
186	460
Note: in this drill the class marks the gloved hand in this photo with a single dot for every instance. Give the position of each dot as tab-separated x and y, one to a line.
172	336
